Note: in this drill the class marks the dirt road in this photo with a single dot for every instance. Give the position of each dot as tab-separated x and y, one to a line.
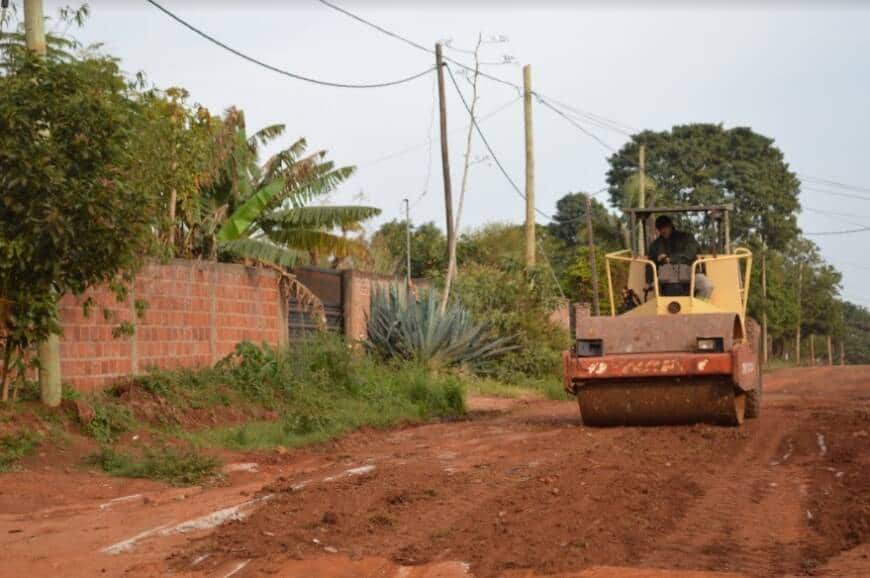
520	490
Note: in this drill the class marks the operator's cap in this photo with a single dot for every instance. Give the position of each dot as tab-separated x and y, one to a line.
663	221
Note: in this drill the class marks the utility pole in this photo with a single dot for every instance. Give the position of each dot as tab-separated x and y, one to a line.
842	351
407	247
830	352
445	159
593	266
764	300
641	200
34	26
813	349
48	351
797	349
530	167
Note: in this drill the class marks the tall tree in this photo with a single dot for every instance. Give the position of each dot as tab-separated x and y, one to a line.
70	216
856	334
708	164
428	246
569	223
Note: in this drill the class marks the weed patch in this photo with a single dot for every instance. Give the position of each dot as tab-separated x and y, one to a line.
178	467
110	419
15	446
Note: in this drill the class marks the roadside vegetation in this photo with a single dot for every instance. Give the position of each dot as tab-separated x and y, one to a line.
172	425
15	446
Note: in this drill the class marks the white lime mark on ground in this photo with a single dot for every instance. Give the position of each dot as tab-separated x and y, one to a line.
110	503
241	467
202	523
239	567
362	470
823	449
215	518
129	543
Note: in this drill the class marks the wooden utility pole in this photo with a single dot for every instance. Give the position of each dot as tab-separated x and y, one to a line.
408	247
445	158
797	349
641	200
830	352
48	351
593	265
842	352
530	167
764	333
813	349
34	26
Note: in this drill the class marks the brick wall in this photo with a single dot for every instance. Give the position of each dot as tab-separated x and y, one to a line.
197	313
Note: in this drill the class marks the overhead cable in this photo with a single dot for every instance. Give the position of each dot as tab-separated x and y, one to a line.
845	232
282	71
602	121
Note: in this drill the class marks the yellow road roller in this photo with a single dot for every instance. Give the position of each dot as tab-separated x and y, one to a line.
676	346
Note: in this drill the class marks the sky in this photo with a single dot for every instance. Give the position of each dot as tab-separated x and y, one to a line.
793	71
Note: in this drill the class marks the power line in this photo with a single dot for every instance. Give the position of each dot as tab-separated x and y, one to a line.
832	213
412	148
835	193
600	120
846	232
596	119
488	147
281	71
375	26
833	217
832	183
577	125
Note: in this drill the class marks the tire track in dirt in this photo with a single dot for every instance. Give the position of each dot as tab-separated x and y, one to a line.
749	517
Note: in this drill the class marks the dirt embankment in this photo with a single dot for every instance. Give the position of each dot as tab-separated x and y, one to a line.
527	492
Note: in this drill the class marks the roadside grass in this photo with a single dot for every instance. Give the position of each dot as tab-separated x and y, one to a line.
15	446
312	392
110	419
320	397
528	388
258	398
177	467
774	364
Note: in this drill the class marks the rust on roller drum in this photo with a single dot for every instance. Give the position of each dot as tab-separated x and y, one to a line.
660	402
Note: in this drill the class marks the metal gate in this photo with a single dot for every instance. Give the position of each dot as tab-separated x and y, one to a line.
326	284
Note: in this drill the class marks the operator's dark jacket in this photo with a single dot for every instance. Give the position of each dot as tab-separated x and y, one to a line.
681	248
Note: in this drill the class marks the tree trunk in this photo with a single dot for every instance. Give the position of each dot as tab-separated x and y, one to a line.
7	357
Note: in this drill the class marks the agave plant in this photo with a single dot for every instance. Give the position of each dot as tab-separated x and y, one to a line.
417	329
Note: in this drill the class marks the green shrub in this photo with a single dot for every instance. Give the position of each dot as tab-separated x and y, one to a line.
15	446
417	330
254	371
323	389
178	467
518	303
110	419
